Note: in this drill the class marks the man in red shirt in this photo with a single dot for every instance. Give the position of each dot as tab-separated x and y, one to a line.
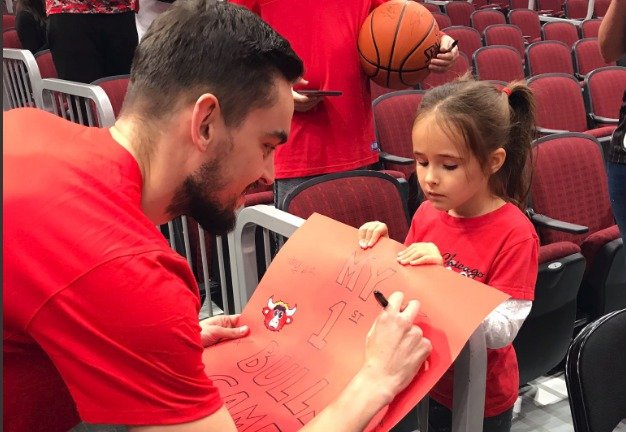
328	134
100	315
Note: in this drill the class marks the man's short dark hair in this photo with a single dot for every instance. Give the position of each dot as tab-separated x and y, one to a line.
206	46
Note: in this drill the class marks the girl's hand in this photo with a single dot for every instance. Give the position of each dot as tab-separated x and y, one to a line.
419	254
370	232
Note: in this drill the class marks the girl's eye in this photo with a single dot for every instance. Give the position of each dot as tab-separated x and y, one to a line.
269	149
450	167
422	163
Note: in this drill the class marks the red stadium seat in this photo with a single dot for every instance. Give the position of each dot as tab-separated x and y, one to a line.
603	94
528	22
589	28
8	22
46	65
498	62
459	12
481	19
549	57
468	37
443	20
115	87
560	106
563	31
587	57
576	9
600	7
550	7
10	39
505	34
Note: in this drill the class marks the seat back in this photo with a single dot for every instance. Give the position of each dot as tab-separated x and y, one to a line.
559	102
443	20
549	57
547	332
563	31
498	62
519	4
589	28
528	21
459	68
505	34
595	374
46	64
603	93
600	7
394	114
576	9
8	21
481	19
352	197
570	184
587	56
459	12
21	79
433	8
115	87
80	103
469	39
10	39
554	6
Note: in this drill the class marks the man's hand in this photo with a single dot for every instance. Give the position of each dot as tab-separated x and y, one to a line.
446	58
221	327
303	103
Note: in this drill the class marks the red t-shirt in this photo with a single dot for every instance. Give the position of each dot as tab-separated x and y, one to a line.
337	135
499	249
91	6
100	315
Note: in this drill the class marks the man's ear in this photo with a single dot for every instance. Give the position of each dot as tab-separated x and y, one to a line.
206	116
496	160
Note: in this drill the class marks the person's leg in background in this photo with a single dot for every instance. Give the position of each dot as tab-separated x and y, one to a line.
74	47
617	191
119	41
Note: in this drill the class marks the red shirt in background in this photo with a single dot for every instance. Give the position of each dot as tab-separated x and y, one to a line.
499	249
100	315
91	6
337	135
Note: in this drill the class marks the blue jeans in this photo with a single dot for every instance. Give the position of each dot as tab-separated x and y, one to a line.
617	192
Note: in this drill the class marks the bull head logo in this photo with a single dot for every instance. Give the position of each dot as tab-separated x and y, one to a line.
277	314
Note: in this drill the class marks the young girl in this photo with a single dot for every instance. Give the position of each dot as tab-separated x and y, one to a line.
472	142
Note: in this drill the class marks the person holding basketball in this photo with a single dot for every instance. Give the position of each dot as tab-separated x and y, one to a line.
329	134
471	143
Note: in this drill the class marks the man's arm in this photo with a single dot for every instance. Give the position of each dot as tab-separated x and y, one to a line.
395	350
612	34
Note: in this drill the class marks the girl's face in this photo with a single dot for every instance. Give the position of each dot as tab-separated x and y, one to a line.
448	173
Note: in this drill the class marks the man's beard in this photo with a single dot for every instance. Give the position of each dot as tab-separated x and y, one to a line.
197	197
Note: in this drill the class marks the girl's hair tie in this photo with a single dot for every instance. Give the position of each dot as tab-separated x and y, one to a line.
506	90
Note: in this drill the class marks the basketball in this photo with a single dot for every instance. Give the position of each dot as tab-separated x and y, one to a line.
396	42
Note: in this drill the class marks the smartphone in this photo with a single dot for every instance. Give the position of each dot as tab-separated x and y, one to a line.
320	92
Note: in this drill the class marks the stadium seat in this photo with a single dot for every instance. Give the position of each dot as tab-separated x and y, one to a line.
10	39
550	7
600	7
481	19
603	94
570	184
469	39
563	31
587	57
528	22
8	22
115	87
589	28
560	106
548	57
547	332
459	12
505	34
377	90
459	68
21	79
498	62
394	115
576	9
46	64
433	8
443	21
595	375
353	198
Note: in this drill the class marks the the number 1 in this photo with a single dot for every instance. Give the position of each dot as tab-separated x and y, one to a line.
318	340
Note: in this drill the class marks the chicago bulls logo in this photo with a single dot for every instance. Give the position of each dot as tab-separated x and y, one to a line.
431	52
277	314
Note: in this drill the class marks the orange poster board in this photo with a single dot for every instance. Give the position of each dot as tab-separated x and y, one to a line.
309	318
